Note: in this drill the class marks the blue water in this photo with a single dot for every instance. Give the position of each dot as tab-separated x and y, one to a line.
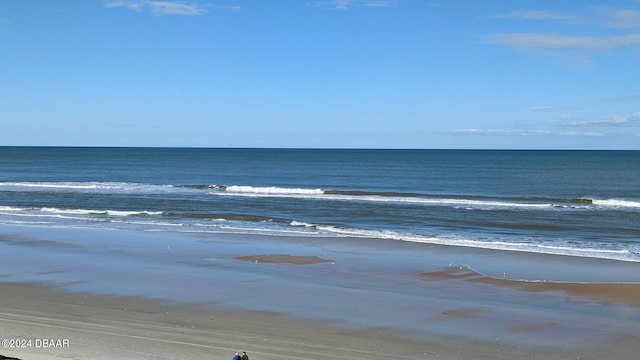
581	203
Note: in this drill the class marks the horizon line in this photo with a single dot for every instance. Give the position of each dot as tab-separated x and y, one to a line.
298	148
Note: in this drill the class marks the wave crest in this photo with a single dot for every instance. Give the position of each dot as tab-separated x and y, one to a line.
272	190
617	203
456	200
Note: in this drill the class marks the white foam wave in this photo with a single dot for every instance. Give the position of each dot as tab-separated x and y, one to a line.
552	249
303	193
317	194
272	190
10	208
470	204
302	224
47	210
101	212
149	223
46	185
125	219
92	187
617	203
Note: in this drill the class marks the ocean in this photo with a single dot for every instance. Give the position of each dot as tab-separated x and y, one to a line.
578	203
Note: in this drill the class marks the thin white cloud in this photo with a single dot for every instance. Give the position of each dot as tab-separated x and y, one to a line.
573	49
174	8
629	120
129	4
601	15
474	131
380	3
622	99
620	18
497	132
333	4
547	108
554	41
158	7
535	15
608	126
588	133
348	4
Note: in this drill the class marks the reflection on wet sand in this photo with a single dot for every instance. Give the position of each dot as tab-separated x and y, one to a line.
608	293
284	259
460	313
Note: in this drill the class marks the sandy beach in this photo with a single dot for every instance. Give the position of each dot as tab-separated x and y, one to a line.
117	327
62	325
101	327
164	296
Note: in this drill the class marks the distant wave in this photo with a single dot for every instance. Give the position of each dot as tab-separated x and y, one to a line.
272	190
264	190
101	212
93	214
372	193
224	217
456	200
45	210
61	185
414	198
87	187
617	203
553	200
364	196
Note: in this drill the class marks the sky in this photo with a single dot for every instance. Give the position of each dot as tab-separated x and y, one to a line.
423	74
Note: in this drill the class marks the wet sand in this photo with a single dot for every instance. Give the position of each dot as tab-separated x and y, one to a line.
607	293
284	259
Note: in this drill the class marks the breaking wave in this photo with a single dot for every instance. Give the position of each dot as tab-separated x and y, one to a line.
195	222
455	200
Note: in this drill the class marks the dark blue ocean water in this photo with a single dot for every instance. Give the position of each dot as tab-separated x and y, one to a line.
583	203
